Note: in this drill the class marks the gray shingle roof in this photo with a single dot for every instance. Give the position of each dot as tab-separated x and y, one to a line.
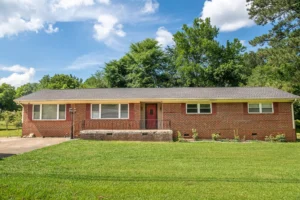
159	93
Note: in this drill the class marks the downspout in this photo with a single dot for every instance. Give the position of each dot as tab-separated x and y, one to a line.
293	114
22	112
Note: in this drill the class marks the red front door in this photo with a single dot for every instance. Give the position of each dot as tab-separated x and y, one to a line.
151	116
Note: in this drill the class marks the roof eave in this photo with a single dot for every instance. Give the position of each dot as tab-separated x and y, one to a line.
163	100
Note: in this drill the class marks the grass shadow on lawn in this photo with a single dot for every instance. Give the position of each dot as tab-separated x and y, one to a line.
149	179
4	155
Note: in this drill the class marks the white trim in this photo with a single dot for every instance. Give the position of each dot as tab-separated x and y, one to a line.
119	111
22	113
41	111
198	109
293	115
260	108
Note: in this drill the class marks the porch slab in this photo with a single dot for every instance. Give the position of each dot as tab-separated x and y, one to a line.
128	135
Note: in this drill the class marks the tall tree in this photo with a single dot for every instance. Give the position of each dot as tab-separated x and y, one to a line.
202	61
282	51
196	49
145	65
26	89
7	95
282	42
60	81
116	73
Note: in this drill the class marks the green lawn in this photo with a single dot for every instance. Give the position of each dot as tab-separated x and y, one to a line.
135	170
11	132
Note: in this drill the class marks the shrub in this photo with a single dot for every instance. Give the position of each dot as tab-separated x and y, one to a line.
215	136
270	138
297	122
179	137
280	137
236	137
195	134
18	124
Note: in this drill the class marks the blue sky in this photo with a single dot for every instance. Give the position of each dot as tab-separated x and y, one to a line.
39	37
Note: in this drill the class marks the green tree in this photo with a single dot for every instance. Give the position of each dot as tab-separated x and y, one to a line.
97	80
145	65
251	60
282	44
283	39
7	117
196	49
60	81
116	73
26	89
7	96
17	119
202	61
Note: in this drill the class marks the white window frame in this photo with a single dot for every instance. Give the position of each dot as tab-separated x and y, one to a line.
41	110
260	108
198	109
119	111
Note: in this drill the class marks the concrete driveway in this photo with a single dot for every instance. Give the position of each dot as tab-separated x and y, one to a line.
12	146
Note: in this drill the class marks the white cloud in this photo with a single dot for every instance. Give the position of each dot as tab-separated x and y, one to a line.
164	37
15	25
90	60
151	6
21	75
106	28
51	30
227	15
65	4
107	2
243	42
19	16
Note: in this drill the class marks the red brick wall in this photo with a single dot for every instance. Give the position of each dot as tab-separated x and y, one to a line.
61	128
227	118
44	128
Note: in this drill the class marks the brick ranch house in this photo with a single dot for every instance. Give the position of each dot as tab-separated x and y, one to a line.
158	113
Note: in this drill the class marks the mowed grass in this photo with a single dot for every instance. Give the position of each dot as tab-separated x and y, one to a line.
136	170
11	132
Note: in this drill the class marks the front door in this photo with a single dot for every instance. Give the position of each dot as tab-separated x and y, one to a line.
151	116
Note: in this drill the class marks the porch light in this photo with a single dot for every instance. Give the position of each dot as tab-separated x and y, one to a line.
72	111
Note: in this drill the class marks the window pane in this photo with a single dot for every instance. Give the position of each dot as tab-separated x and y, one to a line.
62	111
124	111
95	111
267	107
110	111
192	108
253	108
36	111
49	112
205	108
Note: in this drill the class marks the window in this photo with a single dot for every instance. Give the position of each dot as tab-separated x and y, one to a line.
36	111
109	111
198	108
192	108
95	111
49	112
260	108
